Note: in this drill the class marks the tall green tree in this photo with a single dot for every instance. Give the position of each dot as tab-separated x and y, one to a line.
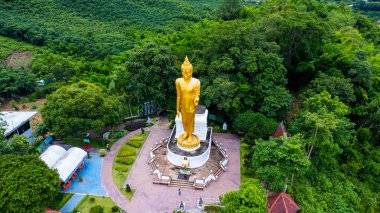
326	128
250	197
80	107
277	160
150	74
28	185
229	10
16	145
336	86
255	125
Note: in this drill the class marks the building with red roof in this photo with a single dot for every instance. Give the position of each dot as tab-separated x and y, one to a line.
281	203
281	131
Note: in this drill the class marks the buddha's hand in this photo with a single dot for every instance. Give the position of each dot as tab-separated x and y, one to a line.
196	100
178	113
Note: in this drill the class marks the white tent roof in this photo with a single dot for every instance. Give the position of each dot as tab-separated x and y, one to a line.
65	163
14	119
52	155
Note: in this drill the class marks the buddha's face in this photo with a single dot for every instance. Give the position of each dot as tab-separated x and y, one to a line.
187	72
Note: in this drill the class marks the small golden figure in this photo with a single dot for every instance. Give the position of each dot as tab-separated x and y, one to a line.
188	92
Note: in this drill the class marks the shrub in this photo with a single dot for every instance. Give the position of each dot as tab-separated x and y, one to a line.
118	134
128	188
125	160
115	209
13	104
102	152
126	151
24	100
213	209
136	144
97	209
103	142
121	168
137	138
92	199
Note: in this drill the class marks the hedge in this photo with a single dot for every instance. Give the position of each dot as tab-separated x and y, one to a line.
121	168
125	160
137	138
136	144
126	151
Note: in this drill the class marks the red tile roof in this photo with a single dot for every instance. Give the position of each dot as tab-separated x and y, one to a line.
281	203
281	131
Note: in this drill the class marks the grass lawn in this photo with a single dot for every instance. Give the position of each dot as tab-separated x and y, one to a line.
60	200
85	205
120	171
128	195
120	176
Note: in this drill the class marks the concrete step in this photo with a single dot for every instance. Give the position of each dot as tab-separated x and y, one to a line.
181	184
153	165
218	172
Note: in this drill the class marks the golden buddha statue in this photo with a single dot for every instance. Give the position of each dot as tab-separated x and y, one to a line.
188	92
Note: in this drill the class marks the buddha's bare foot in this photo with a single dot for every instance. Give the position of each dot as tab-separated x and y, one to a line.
185	135
190	138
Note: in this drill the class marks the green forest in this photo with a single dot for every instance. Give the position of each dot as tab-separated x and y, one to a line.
314	65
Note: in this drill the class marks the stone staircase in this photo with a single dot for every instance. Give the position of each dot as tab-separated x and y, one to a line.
153	166
181	184
218	172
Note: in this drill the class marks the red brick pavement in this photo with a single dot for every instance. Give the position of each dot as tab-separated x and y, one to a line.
160	198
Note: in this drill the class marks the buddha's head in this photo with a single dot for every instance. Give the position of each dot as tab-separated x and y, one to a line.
187	69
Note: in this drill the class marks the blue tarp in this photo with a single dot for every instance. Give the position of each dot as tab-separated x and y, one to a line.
48	139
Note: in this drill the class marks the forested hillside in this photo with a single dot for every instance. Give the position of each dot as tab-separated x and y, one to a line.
97	28
314	65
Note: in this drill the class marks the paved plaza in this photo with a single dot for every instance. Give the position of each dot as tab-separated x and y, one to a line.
151	197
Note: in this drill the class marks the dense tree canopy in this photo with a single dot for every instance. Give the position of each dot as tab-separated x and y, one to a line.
16	145
15	83
250	197
149	76
80	107
27	184
314	64
277	160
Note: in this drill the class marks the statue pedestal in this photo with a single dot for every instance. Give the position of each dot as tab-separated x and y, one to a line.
200	126
196	158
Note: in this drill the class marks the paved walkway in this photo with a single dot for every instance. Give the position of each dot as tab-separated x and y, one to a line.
70	205
160	198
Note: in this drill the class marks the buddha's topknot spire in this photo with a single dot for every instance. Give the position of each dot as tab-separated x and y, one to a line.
186	63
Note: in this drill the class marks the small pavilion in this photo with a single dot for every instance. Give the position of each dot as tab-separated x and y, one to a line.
281	131
281	203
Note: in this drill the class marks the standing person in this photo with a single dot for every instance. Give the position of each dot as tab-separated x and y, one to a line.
179	192
108	147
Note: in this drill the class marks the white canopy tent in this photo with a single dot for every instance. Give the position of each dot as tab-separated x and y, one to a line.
66	162
52	155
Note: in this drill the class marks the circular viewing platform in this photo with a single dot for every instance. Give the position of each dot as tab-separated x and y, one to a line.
197	158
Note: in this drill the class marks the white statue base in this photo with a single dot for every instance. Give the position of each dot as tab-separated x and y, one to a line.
200	126
196	158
